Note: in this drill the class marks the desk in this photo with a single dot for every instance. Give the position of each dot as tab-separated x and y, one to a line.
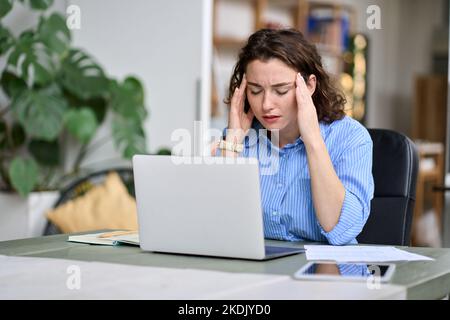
413	280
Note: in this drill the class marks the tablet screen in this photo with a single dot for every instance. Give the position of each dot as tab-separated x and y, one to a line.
345	270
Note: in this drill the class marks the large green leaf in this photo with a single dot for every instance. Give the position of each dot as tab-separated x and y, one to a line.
11	84
38	4
164	152
128	136
97	105
81	123
45	152
23	174
31	60
82	76
17	136
127	99
53	32
6	39
5	7
40	112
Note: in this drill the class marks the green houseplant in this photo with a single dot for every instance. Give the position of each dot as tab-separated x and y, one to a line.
54	91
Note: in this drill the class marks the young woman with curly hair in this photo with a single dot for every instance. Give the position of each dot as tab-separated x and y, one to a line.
320	184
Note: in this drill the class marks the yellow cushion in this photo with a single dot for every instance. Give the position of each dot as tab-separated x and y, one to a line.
105	206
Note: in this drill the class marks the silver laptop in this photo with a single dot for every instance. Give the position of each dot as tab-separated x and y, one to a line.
201	206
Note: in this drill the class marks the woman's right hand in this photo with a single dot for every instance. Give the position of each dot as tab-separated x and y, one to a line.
239	122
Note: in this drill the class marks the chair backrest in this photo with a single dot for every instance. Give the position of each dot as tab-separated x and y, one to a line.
395	169
84	184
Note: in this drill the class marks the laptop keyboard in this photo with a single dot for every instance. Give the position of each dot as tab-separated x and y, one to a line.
274	250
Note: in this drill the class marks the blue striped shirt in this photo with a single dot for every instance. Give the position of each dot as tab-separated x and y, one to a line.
286	184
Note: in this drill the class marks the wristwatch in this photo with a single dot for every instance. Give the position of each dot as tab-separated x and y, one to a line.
235	147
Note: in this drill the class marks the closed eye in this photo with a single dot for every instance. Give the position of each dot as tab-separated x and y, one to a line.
255	92
280	93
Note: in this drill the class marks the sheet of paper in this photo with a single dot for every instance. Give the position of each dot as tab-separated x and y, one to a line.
360	254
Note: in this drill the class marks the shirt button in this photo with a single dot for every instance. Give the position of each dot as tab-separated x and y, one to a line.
275	213
280	185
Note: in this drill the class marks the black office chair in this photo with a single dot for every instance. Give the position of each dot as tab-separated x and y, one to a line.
395	168
83	185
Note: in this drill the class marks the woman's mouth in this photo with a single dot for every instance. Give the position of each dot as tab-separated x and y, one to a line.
271	119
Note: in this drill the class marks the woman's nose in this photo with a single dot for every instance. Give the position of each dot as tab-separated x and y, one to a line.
267	102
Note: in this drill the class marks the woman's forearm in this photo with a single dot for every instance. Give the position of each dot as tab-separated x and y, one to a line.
327	190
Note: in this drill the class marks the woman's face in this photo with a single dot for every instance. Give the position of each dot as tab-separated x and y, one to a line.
271	94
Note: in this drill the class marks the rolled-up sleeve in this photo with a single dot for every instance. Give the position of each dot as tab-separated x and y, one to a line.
354	169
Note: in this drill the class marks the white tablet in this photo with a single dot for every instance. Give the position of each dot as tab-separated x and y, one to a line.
345	271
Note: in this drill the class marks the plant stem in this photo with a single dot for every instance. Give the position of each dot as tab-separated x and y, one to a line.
61	180
85	149
50	172
4	111
105	161
98	143
79	159
4	175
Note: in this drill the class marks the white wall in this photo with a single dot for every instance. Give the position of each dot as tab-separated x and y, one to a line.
159	41
419	20
383	61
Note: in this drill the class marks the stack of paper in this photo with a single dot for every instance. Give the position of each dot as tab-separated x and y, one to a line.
360	254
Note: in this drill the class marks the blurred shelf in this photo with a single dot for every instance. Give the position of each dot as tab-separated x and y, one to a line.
330	50
329	5
430	174
220	41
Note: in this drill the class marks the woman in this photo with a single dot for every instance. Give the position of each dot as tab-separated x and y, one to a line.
322	184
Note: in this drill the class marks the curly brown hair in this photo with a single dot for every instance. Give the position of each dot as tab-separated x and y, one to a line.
292	48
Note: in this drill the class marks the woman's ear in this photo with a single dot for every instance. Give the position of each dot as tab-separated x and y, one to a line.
311	84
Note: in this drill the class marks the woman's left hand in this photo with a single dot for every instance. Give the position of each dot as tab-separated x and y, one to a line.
308	122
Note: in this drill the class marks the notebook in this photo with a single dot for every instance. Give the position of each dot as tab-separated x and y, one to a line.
93	238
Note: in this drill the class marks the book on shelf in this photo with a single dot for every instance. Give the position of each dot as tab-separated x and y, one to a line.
329	31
